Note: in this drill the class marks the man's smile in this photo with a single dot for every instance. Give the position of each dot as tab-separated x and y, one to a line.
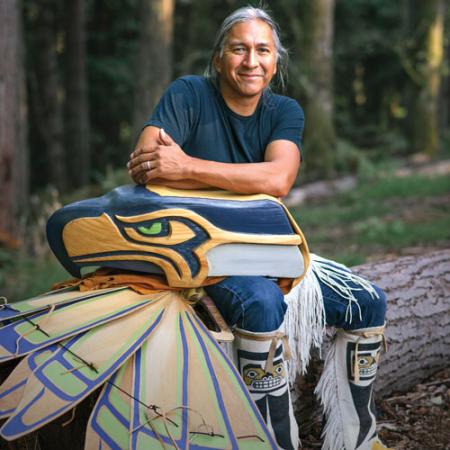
250	76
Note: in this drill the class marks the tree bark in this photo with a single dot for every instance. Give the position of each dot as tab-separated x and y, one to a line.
418	318
417	330
13	123
428	61
316	56
76	100
154	61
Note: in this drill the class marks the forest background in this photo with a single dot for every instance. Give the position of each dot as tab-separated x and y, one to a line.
79	77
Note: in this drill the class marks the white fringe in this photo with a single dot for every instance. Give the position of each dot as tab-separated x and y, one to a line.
327	391
337	277
305	318
304	322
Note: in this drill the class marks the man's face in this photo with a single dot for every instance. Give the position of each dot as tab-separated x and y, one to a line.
248	62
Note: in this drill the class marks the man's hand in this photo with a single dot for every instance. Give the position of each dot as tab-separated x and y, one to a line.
163	160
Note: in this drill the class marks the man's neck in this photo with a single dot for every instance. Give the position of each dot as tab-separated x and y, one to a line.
242	105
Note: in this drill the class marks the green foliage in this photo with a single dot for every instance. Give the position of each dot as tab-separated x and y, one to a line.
6	260
370	97
348	157
320	143
372	84
112	178
397	233
445	144
113	31
22	276
413	186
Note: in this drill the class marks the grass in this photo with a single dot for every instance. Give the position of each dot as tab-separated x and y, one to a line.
385	217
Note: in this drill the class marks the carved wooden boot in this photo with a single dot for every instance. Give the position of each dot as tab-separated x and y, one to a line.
260	359
346	390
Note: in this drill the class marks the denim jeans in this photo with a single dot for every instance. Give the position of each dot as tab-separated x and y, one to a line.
256	304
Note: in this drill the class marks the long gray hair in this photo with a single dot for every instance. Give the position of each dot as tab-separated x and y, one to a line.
246	14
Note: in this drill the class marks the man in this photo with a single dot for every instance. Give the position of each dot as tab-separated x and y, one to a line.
228	130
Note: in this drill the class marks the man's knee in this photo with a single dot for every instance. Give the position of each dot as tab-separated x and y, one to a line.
370	311
265	310
380	307
364	311
252	303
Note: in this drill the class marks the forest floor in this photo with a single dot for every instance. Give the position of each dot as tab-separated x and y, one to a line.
415	420
418	419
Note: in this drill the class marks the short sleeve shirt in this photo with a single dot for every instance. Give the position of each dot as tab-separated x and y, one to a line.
193	112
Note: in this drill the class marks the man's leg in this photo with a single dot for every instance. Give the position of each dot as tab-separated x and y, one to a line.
346	385
255	307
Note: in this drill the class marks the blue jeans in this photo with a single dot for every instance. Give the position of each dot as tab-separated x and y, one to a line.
256	304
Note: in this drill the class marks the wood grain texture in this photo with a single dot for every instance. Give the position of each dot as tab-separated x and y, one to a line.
417	330
96	235
418	317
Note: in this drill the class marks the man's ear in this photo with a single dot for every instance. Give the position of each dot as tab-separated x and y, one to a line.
217	62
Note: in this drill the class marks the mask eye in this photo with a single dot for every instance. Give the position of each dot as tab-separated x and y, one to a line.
366	361
252	374
154	228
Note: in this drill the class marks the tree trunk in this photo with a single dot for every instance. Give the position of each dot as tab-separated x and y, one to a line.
316	56
444	104
154	61
417	331
13	123
46	90
429	26
76	101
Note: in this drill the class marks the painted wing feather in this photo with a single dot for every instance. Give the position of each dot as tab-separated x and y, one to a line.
22	337
12	388
183	391
110	422
240	414
198	398
64	379
45	301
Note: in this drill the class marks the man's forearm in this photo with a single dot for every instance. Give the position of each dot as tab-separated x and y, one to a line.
256	178
251	178
159	158
180	184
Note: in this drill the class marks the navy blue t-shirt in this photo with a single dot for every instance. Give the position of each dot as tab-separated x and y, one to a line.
193	112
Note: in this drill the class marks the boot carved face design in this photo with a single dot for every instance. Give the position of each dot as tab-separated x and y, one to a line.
362	362
260	361
259	380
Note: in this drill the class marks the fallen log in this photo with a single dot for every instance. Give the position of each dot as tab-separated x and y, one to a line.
418	318
417	332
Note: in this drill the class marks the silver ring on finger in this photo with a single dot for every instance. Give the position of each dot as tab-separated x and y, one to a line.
148	165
